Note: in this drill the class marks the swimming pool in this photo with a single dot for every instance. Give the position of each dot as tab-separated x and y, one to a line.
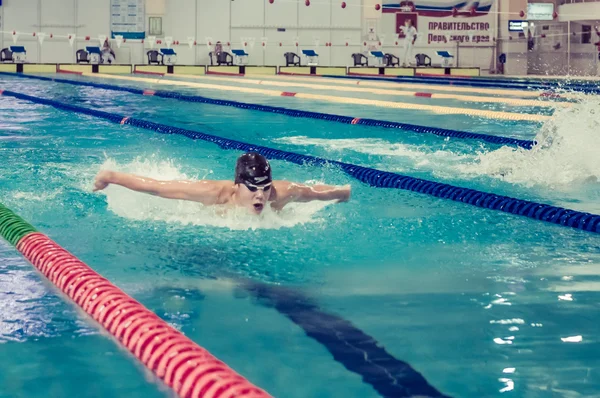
477	301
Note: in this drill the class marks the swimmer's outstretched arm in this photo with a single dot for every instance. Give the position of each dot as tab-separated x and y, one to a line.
290	192
205	192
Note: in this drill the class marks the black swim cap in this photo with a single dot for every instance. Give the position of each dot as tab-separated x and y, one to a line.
252	168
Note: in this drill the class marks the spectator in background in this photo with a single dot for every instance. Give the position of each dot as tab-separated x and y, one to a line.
216	53
108	55
410	33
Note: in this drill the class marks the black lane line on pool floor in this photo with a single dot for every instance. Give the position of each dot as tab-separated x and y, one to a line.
350	346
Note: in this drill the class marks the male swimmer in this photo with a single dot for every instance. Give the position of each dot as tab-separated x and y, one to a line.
252	187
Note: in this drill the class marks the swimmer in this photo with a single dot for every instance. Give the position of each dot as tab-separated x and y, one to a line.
252	187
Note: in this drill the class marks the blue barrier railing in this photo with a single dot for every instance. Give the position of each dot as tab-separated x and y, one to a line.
376	178
499	140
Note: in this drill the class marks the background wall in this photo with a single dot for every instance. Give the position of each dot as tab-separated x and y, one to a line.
558	49
233	22
468	37
286	21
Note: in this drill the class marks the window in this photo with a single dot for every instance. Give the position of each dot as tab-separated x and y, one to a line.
586	34
155	26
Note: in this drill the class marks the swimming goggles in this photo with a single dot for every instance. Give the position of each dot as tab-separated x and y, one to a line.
254	188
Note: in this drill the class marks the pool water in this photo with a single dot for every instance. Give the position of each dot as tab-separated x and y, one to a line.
479	302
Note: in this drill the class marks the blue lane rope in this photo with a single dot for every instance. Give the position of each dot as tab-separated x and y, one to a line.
487	82
376	178
500	140
590	88
576	85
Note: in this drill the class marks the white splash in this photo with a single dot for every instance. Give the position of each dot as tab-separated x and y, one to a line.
510	385
498	340
422	155
501	301
138	206
36	196
566	297
517	321
566	152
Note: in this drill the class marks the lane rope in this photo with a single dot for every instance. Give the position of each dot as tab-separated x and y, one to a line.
500	140
321	86
190	370
345	100
375	178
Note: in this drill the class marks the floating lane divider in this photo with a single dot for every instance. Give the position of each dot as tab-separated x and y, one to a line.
376	178
364	89
444	110
190	370
473	82
500	140
393	84
530	84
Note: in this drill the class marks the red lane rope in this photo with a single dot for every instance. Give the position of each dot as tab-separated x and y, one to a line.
183	365
72	72
143	72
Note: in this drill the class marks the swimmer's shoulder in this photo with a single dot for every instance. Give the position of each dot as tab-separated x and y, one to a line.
220	190
282	184
282	190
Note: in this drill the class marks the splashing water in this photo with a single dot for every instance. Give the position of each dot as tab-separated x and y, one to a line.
565	152
138	206
37	196
371	146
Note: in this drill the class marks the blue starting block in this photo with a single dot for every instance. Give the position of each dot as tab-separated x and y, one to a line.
94	54
312	58
446	58
19	54
379	55
169	56
241	56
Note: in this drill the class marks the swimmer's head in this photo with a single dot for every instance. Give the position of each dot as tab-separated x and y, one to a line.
253	181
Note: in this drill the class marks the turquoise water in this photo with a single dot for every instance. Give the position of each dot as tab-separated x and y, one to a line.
462	294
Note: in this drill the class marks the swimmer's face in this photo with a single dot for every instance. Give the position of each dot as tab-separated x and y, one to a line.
253	197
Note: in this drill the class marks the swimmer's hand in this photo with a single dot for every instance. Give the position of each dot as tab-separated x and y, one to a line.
103	179
344	194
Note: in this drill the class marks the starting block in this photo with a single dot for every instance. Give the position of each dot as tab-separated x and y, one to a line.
94	54
19	54
312	58
241	57
447	58
169	56
379	56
